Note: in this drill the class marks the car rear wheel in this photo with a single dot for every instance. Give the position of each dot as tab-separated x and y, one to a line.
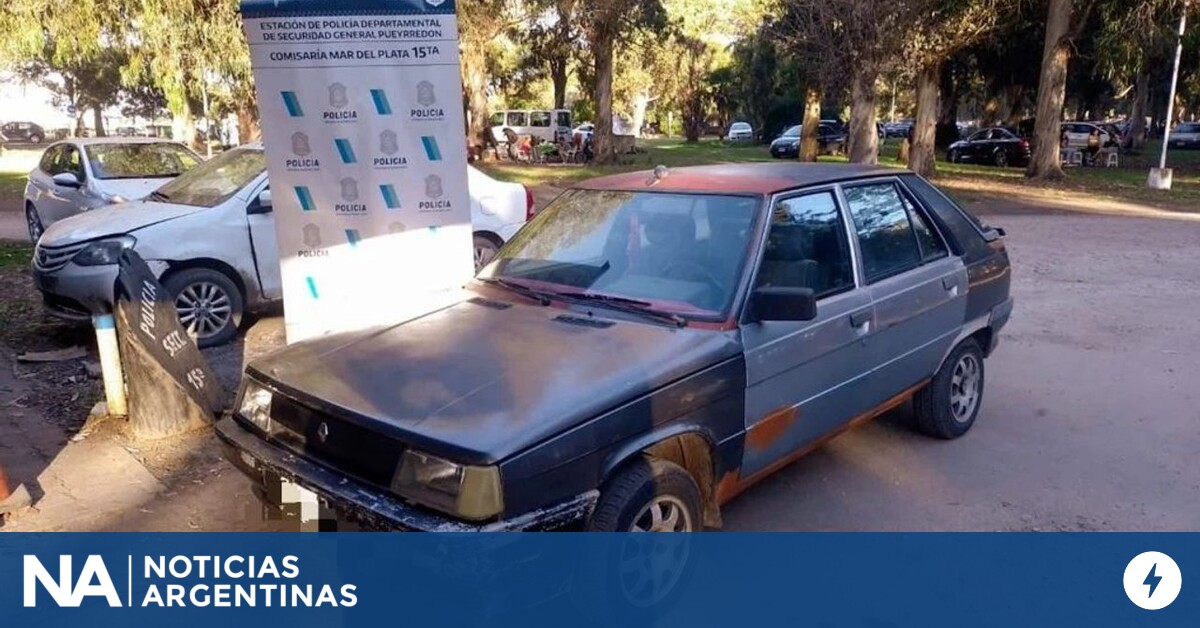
209	304
947	407
34	222
485	250
1000	159
35	138
650	495
953	157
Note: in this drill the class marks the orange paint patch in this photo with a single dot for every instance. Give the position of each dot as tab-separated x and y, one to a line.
764	433
727	488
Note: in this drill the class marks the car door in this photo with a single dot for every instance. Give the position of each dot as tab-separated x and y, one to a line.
1077	135
917	287
975	145
39	178
264	246
804	379
64	201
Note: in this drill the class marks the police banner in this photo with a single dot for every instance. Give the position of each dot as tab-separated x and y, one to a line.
997	580
363	127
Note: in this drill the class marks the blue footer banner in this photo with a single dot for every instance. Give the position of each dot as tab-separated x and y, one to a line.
868	580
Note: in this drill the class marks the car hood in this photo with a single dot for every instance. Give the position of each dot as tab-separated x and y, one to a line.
480	381
783	141
131	189
113	220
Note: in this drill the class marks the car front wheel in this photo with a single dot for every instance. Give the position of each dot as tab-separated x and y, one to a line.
651	495
953	157
209	305
34	222
485	250
947	407
35	138
1001	159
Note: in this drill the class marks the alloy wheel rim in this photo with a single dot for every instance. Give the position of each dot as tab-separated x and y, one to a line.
664	513
651	565
35	226
483	255
964	388
204	309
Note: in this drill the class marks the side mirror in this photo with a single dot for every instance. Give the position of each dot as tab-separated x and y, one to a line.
783	304
260	205
66	180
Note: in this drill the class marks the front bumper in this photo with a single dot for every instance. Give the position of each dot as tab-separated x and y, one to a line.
356	501
70	292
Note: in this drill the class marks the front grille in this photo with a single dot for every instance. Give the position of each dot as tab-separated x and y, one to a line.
52	258
350	449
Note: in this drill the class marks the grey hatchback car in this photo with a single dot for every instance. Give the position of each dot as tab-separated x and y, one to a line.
646	348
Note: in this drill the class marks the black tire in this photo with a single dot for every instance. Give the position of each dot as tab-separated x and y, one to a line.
628	497
35	138
941	409
197	285
486	248
33	223
1000	159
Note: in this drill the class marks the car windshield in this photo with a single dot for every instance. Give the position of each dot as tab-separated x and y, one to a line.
740	126
139	161
214	181
792	132
680	254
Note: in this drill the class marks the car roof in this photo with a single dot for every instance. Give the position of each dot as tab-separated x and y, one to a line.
92	141
746	178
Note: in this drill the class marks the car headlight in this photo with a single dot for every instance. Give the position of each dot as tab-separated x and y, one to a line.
102	252
254	405
468	492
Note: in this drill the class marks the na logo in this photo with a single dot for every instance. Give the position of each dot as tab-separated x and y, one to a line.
93	581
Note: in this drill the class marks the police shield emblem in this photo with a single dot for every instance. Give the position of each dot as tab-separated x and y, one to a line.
300	145
433	186
388	144
349	189
312	236
337	96
425	95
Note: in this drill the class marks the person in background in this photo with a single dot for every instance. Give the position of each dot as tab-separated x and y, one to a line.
1093	146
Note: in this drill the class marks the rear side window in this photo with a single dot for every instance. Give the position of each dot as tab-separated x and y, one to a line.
564	118
885	234
932	246
539	118
960	227
517	118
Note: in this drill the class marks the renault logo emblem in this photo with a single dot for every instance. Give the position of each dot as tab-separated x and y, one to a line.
323	432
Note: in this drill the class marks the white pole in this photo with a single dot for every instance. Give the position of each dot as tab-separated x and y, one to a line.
110	364
1160	177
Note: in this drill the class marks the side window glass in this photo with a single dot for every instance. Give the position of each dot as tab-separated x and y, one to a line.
885	234
564	118
932	246
70	162
517	118
49	163
807	247
497	119
539	118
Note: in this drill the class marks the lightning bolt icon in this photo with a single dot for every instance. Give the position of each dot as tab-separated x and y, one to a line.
1152	580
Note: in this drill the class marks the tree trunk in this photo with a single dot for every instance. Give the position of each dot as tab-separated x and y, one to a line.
558	76
602	137
474	68
810	130
1047	160
864	138
641	103
98	120
249	126
947	121
921	156
183	128
1137	117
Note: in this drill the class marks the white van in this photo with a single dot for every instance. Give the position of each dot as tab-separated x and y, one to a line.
551	125
210	237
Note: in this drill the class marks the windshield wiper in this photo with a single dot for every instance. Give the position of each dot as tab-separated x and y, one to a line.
159	196
625	304
512	286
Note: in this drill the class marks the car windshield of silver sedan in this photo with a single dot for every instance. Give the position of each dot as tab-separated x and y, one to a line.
215	181
139	161
678	256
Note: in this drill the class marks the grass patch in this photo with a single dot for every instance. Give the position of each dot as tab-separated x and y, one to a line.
14	170
15	254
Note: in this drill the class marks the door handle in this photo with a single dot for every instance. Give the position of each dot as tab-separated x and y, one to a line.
859	319
949	283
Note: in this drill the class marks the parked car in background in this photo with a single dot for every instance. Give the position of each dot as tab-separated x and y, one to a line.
899	128
997	146
23	132
550	125
740	132
77	175
211	231
583	132
681	338
1078	133
1186	135
831	140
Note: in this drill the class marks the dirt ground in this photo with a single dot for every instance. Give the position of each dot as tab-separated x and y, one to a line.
1090	419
